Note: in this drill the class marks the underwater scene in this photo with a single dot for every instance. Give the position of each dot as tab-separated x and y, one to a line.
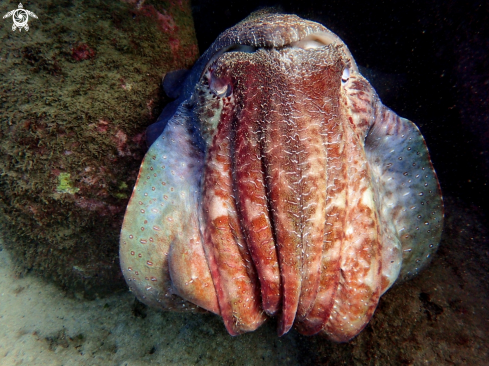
244	183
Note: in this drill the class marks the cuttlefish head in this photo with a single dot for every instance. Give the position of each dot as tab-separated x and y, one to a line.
281	186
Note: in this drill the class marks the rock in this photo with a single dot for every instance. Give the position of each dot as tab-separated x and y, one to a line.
78	91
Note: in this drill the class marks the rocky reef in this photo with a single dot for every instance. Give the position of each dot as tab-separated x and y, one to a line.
77	93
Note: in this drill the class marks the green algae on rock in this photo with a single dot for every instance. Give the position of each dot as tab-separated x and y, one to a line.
65	185
78	91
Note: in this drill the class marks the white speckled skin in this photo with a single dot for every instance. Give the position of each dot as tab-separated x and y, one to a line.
281	187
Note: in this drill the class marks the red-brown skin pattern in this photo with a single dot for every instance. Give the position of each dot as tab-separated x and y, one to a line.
230	264
295	164
292	191
279	142
358	290
334	226
250	188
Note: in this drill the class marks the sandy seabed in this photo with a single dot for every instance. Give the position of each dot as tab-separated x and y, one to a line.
441	317
39	325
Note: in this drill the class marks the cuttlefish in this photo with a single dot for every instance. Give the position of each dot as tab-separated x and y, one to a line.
278	185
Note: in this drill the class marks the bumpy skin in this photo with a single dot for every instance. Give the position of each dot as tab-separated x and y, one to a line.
281	187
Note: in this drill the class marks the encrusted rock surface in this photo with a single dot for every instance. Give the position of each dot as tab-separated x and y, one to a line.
77	93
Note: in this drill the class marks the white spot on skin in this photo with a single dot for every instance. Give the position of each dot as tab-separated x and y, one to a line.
368	198
345	76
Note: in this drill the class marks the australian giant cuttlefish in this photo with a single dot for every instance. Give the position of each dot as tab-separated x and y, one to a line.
280	185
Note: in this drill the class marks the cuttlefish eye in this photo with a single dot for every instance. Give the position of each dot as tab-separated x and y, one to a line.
345	76
220	87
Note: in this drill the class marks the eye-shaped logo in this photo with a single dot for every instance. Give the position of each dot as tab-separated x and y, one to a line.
20	18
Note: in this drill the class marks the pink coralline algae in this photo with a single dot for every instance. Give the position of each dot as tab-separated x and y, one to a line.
81	52
165	21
